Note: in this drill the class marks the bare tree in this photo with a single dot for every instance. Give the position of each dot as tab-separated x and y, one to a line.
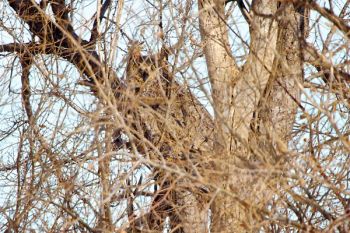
174	116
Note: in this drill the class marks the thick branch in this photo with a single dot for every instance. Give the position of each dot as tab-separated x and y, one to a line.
61	11
258	67
328	14
26	62
62	41
22	48
99	16
40	24
221	66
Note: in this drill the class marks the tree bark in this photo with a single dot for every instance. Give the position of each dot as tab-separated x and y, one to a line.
269	77
223	74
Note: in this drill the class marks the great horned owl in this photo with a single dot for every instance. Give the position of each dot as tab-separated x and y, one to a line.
177	125
178	116
147	75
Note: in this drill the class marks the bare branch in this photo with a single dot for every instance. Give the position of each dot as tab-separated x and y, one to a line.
98	18
328	14
315	58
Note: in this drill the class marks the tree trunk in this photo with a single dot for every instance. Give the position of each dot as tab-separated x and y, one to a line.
238	98
223	73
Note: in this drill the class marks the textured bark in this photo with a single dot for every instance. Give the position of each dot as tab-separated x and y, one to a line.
222	74
221	66
275	115
258	67
282	95
270	76
235	96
